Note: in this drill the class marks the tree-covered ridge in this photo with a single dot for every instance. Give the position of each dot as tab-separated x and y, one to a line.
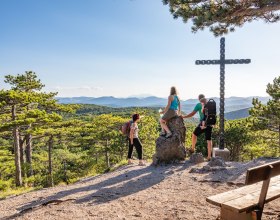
44	143
125	112
224	16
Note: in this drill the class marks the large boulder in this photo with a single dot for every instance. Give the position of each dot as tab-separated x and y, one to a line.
171	149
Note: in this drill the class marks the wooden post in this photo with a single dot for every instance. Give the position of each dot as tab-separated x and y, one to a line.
256	215
264	190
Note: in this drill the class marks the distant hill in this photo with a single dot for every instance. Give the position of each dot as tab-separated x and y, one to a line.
231	104
125	112
111	101
98	109
242	113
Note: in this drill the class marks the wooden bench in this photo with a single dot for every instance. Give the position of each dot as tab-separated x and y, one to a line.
247	203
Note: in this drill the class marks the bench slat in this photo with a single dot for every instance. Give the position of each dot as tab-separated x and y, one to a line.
251	200
257	174
221	198
225	197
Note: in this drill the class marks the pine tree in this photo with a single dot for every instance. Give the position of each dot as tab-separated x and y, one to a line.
25	109
268	116
28	83
223	16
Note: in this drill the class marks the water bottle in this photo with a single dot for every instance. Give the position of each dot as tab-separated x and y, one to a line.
160	113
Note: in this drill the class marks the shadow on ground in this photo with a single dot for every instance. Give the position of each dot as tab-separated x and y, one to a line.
128	182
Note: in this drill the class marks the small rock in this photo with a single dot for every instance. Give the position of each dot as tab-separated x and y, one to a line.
195	170
207	168
197	158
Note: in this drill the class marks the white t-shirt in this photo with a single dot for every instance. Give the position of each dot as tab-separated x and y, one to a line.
136	129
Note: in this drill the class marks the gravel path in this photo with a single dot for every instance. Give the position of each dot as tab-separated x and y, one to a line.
135	192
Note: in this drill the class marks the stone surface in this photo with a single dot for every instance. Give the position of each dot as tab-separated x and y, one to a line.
197	158
171	149
225	154
207	169
217	162
214	165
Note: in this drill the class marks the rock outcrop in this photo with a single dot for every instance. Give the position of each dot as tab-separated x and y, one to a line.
171	149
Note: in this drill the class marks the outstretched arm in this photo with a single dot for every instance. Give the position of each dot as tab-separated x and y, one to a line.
189	115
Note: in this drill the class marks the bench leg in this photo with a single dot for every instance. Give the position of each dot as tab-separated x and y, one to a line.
227	214
256	215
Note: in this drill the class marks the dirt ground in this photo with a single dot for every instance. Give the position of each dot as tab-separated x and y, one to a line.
135	192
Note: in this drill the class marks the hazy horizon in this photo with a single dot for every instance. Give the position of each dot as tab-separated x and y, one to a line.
155	97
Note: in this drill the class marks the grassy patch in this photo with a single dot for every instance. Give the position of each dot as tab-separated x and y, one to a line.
16	192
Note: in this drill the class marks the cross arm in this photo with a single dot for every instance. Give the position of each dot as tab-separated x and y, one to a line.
238	61
231	61
207	62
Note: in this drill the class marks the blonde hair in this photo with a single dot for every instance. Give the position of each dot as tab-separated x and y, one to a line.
173	91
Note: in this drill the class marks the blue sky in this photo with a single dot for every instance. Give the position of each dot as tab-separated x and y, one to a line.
129	47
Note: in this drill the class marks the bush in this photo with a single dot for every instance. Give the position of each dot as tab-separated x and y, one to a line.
4	185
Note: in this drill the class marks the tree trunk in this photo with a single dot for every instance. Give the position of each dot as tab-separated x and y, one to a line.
279	138
22	159
65	172
50	146
21	150
107	154
29	154
28	138
16	149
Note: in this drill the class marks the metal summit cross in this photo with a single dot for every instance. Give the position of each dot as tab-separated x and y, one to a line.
222	61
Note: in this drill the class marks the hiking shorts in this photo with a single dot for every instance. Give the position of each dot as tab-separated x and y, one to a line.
169	114
208	132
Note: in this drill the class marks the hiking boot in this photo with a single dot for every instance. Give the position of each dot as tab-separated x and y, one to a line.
168	135
162	133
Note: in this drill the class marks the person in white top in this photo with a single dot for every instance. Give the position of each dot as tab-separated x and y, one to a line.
134	140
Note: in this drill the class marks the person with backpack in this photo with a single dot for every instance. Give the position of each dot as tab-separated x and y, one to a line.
134	140
172	109
207	116
203	121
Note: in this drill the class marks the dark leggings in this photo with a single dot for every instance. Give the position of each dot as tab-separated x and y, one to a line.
138	146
